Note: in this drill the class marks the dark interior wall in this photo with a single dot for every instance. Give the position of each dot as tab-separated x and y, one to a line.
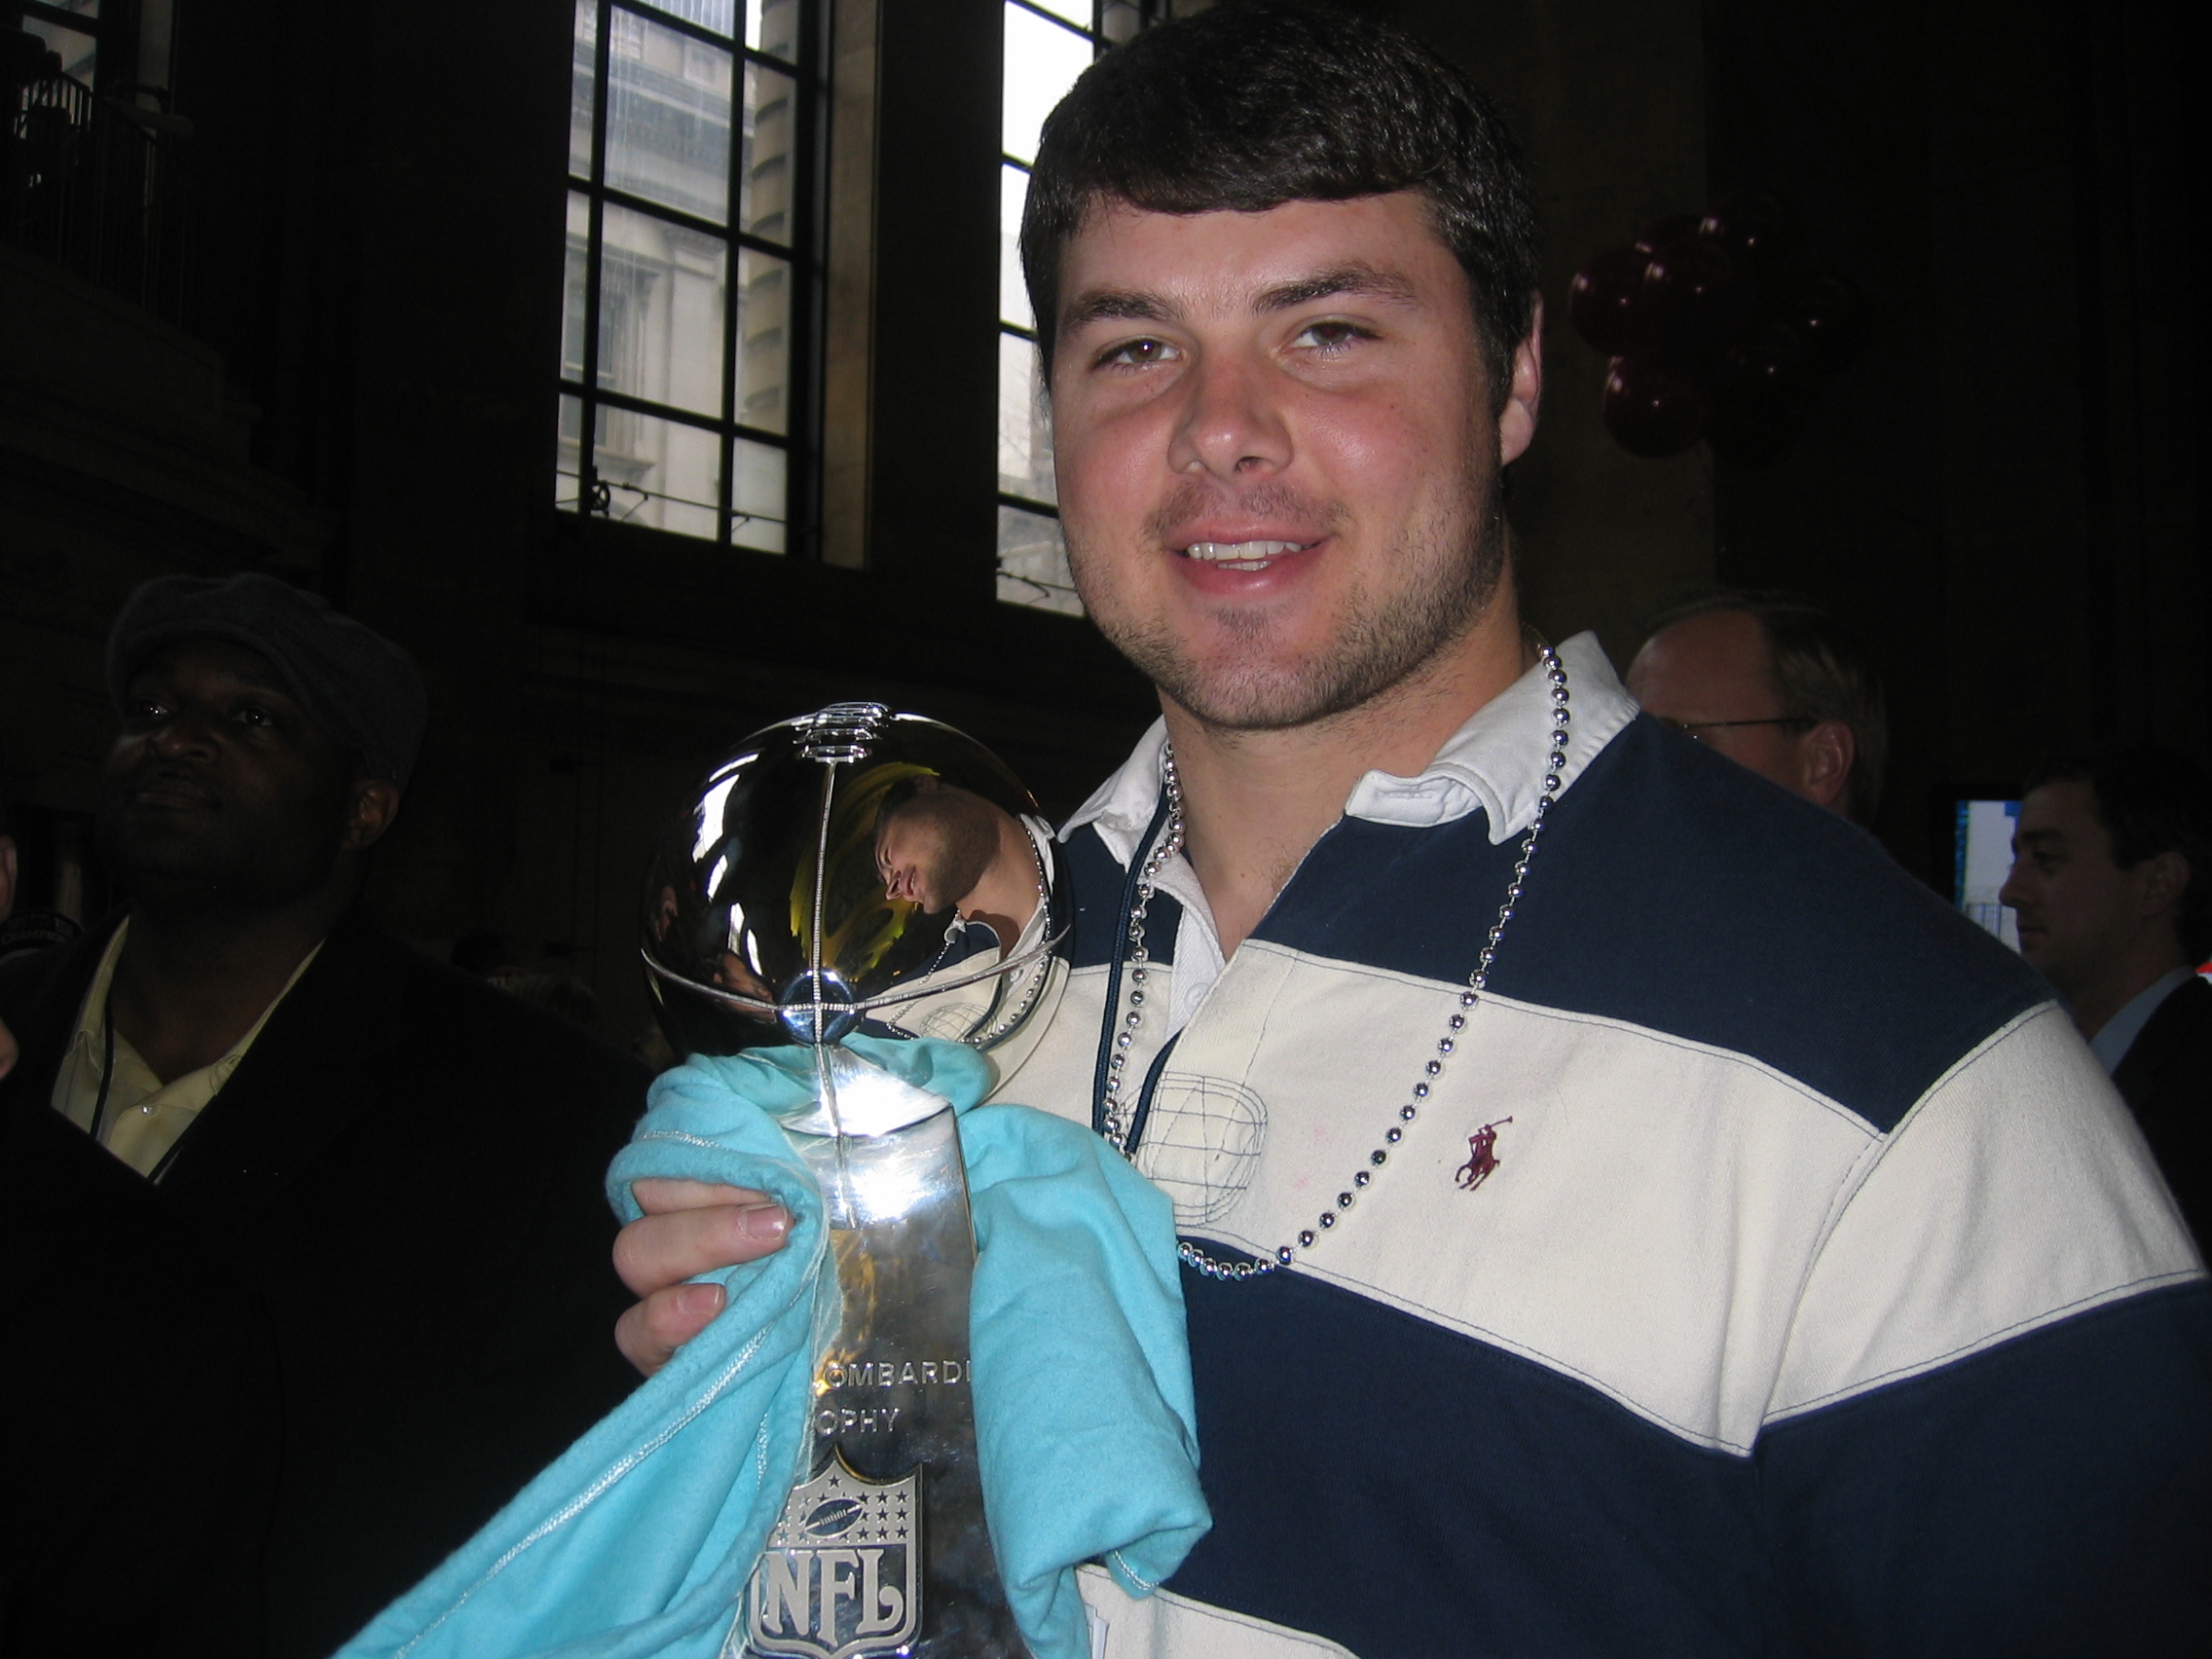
2003	494
1836	122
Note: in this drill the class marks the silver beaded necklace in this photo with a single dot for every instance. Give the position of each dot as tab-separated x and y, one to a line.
1114	1116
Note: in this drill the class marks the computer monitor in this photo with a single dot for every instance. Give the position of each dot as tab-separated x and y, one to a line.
1983	856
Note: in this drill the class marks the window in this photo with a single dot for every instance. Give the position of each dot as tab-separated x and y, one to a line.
1048	43
70	29
687	357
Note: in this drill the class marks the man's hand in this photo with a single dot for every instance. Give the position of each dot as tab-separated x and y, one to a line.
689	1227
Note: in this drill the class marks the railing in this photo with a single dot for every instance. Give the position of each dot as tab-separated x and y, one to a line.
94	183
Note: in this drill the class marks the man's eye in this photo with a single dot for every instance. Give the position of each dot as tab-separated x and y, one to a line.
147	710
254	715
1333	334
1138	353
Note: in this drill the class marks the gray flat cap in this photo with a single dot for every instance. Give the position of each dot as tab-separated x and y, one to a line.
358	686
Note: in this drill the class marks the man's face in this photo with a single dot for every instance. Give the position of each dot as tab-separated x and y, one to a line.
931	855
1709	674
2078	912
1275	452
219	782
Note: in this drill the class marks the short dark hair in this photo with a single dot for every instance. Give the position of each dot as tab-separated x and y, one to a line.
2150	800
1253	104
1821	671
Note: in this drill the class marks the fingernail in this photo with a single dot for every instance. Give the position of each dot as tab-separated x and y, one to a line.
698	1301
767	1221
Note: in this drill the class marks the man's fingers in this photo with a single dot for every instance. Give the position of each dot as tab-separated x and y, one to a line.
658	1251
651	1332
657	1195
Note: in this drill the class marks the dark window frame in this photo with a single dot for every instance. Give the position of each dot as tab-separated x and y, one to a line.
805	257
1145	12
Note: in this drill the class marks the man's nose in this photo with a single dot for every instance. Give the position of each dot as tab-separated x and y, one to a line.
1232	425
2010	894
183	732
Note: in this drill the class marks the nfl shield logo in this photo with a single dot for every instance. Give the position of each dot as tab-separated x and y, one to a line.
842	1575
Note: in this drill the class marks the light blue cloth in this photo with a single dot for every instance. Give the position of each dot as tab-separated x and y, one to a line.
640	1539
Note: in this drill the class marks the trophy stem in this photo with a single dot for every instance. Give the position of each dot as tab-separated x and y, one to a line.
883	1551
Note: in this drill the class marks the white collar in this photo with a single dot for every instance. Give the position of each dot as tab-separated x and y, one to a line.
2118	1033
1495	762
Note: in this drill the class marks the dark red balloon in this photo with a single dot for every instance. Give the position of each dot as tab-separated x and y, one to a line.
1763	366
1827	315
1694	293
1759	231
1606	303
1656	403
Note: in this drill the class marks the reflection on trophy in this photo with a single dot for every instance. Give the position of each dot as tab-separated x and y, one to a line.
858	871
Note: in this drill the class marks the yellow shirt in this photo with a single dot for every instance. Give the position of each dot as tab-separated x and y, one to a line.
145	1116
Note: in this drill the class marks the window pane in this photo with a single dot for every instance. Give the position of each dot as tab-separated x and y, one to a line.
1025	432
773	27
660	310
659	473
763	340
1033	563
1042	61
668	117
756	502
583	88
765	185
719	16
575	299
568	455
79	52
1014	294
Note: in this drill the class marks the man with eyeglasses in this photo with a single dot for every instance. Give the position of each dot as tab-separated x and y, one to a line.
1776	686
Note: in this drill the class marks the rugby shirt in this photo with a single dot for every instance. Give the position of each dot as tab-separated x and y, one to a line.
1771	1270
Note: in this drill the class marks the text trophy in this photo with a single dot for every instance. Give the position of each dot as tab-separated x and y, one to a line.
863	872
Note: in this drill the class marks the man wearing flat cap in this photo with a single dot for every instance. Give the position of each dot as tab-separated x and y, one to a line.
244	1130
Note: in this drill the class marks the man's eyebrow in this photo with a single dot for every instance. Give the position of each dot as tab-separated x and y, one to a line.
1113	305
1357	278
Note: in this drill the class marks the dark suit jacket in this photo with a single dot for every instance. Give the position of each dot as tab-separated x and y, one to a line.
2167	1078
370	1298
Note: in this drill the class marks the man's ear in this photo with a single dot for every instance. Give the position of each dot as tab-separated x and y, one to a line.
7	877
2166	878
1517	420
370	810
1824	758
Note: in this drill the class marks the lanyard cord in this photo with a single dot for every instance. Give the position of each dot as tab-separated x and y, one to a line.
1121	924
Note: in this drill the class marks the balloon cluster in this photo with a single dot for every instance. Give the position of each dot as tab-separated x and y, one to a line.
1716	330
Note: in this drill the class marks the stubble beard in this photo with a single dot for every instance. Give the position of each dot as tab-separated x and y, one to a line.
1382	641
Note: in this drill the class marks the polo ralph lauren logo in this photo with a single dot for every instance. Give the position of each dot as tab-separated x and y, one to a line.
1482	1155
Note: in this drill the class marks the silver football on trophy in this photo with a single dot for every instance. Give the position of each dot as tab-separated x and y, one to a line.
853	870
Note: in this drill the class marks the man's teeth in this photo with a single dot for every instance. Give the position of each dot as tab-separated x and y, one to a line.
1240	555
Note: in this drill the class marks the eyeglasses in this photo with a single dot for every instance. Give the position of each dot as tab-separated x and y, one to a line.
1691	728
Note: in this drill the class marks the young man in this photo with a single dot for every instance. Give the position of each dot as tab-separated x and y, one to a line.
2112	881
1619	1209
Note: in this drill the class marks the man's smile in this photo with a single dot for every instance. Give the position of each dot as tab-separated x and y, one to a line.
1253	555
